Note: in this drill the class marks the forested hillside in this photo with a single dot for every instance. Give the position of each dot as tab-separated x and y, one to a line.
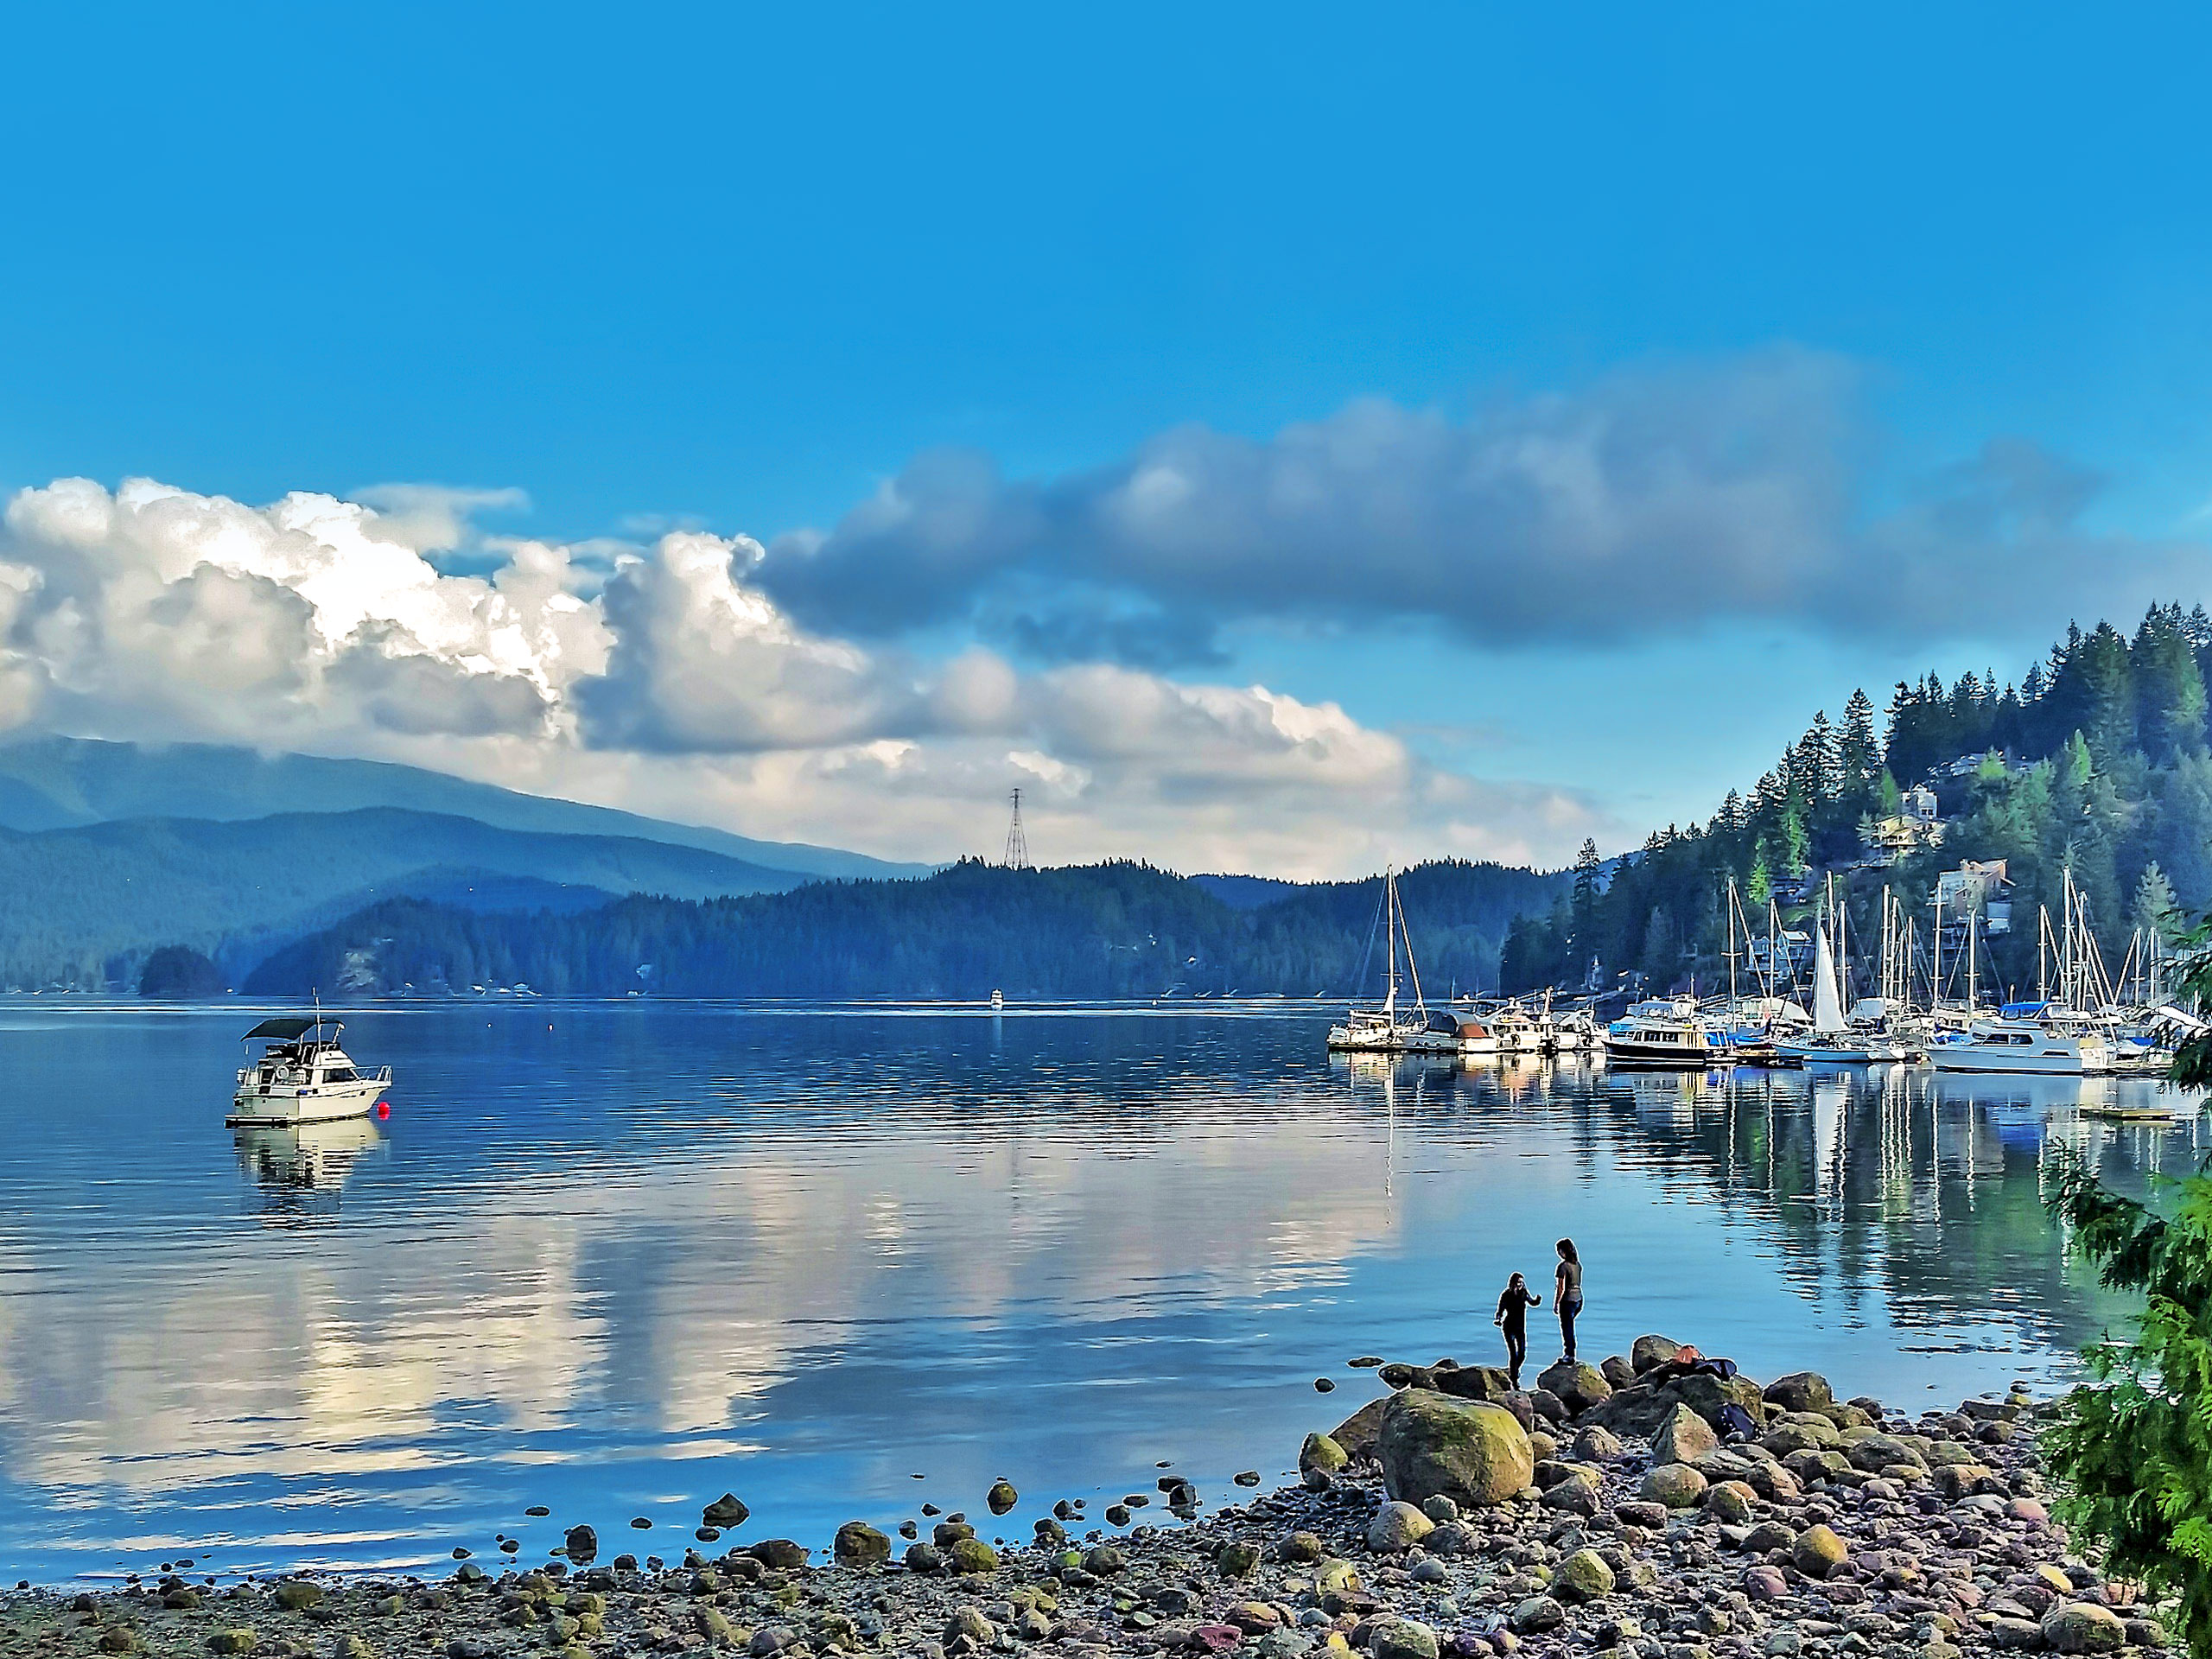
61	782
85	906
2096	759
1117	930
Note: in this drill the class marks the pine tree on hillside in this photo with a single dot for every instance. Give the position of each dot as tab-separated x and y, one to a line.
1859	754
2168	686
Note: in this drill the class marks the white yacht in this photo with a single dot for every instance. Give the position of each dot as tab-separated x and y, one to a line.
302	1076
2031	1044
1666	1031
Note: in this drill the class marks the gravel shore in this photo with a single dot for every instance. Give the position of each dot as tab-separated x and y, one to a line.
1844	1531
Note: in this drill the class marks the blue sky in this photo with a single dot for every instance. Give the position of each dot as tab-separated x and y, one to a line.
732	270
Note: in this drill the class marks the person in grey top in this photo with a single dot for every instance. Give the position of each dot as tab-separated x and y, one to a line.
1567	1295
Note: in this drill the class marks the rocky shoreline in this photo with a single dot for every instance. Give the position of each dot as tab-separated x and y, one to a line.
1598	1512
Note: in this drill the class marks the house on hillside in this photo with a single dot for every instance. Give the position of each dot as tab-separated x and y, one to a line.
1911	827
1782	962
1967	764
1974	891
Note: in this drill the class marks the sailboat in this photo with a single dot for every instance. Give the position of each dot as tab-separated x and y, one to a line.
1831	1041
1387	1030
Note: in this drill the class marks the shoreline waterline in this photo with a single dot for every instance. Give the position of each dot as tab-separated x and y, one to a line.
1846	1528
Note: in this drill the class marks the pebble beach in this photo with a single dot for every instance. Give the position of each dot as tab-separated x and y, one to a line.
1597	1512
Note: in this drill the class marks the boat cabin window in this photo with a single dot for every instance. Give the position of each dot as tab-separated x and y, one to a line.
339	1074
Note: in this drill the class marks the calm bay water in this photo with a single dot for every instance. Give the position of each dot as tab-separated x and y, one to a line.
617	1259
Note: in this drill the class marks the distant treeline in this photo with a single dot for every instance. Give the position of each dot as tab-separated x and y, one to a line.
1114	930
2106	767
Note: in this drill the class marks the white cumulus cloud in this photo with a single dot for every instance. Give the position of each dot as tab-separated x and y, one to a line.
674	683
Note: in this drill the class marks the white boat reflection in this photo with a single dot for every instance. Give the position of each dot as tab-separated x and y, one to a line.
300	1168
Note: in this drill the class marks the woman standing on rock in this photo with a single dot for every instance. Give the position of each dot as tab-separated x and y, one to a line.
1566	1295
1513	1315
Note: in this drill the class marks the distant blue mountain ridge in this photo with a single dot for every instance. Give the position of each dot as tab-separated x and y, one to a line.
111	850
61	783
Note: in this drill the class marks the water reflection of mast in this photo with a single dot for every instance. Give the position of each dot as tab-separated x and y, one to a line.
1827	1136
1390	1132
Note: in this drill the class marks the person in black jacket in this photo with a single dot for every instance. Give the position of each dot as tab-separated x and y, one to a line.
1513	1316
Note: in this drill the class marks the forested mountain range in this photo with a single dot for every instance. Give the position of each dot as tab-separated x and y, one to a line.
1115	929
2098	760
59	782
82	907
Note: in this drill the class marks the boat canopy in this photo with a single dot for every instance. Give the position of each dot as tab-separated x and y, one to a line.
2024	1010
291	1028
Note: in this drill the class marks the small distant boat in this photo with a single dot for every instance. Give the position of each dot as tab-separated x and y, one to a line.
302	1076
998	1000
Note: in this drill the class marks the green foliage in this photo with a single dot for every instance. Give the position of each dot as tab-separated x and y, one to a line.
178	970
80	907
2098	763
1105	931
2134	1448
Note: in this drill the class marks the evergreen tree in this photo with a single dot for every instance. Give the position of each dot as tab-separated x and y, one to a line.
1817	761
2168	686
1859	754
2133	1447
2153	909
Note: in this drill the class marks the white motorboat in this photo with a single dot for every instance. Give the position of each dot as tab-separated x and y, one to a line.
2024	1045
1668	1032
302	1076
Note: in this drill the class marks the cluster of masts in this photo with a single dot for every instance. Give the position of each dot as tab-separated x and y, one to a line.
2070	968
2080	1022
1468	1025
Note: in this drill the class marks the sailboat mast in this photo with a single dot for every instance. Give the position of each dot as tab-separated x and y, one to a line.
2066	944
1391	927
1412	967
1732	944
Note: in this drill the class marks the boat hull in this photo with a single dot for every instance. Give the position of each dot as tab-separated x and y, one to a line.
1678	1057
2046	1066
328	1103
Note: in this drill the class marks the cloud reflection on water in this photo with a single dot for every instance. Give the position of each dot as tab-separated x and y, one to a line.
1048	1246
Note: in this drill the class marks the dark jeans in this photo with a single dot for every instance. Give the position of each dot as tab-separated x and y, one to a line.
1516	1351
1568	1310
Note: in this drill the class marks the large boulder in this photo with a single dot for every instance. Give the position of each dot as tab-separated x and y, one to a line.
1321	1452
1392	1637
1648	1351
1799	1431
1617	1370
1356	1434
1640	1410
1675	1484
1875	1452
1818	1551
1584	1576
1397	1527
1730	1503
1471	1453
2084	1627
1683	1437
1578	1386
1595	1444
858	1544
1800	1391
1475	1383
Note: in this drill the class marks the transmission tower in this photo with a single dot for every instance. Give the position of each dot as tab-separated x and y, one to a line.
1017	844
